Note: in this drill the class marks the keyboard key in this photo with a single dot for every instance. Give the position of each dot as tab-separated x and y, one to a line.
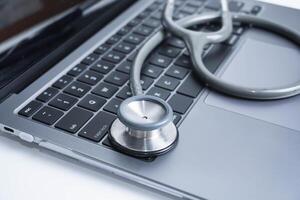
168	83
113	105
92	102
159	60
124	31
215	56
144	14
146	82
213	4
90	77
152	71
190	87
179	3
180	103
30	108
134	22
255	10
235	6
134	39
125	67
176	118
97	127
47	115
105	90
74	120
195	3
75	71
114	57
117	78
113	39
238	30
77	89
124	47
63	102
180	15
169	51
102	49
47	94
158	92
152	23
132	56
160	1
177	72
157	15
143	30
232	40
212	27
124	93
153	7
184	61
62	82
189	9
176	42
90	59
102	67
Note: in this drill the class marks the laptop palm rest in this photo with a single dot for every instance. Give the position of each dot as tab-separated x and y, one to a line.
259	63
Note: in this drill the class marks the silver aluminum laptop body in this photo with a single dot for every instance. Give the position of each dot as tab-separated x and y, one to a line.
229	149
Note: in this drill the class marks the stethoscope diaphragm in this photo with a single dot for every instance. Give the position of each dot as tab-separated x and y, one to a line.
144	127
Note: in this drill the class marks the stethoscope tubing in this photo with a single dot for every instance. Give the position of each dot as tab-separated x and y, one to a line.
211	80
138	138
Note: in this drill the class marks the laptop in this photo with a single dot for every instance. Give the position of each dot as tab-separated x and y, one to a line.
64	72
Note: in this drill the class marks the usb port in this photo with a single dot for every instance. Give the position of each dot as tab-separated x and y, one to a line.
7	129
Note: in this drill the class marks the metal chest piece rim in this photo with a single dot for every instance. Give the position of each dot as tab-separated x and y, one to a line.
144	127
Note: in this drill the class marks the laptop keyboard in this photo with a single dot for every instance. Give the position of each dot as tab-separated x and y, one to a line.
84	102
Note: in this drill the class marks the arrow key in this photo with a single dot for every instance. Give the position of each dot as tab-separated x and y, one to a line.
63	102
47	115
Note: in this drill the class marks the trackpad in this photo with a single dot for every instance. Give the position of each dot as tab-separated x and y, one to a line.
262	64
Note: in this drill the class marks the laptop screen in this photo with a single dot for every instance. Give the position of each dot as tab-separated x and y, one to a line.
31	30
17	16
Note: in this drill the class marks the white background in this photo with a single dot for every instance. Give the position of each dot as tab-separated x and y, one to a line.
26	173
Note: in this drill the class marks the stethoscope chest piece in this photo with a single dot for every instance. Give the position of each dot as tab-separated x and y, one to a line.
144	127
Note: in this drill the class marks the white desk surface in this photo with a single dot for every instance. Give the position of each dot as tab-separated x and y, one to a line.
26	173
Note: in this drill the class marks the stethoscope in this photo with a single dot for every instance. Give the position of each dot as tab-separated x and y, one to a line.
144	127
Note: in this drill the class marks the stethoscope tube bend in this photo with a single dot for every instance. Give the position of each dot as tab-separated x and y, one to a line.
196	41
